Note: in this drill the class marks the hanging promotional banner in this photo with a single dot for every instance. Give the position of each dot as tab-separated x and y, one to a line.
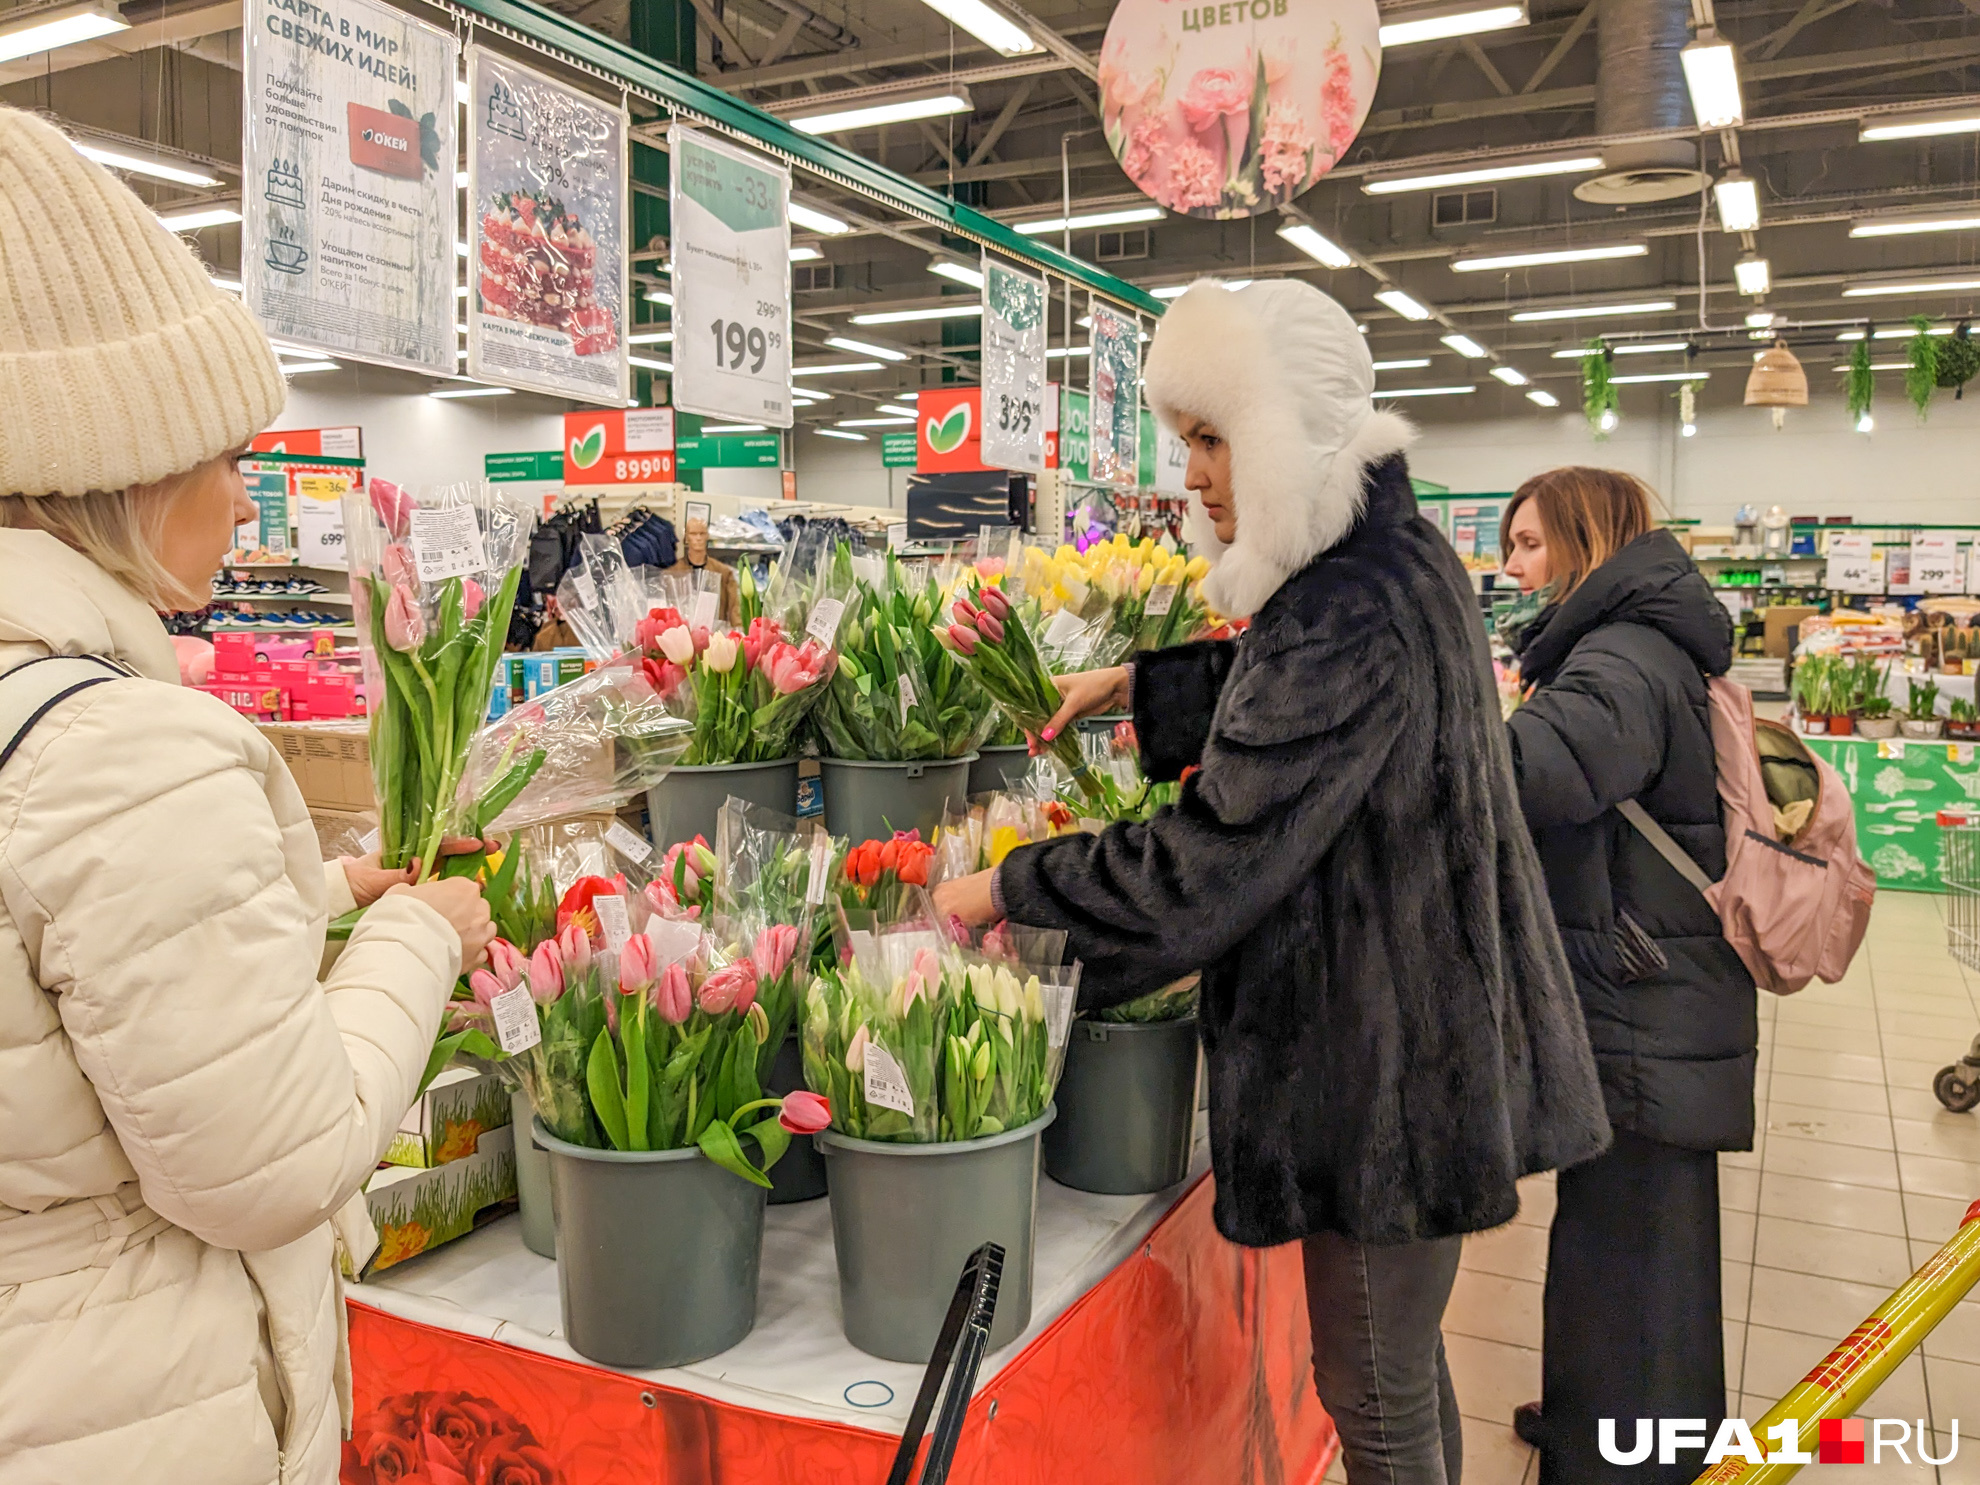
1074	437
1116	388
347	201
630	446
547	281
340	443
949	435
1270	99
1013	367
732	280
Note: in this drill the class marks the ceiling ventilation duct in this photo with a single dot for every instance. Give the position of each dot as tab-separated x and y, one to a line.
1639	86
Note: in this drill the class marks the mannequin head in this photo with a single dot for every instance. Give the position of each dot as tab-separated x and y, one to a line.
697	541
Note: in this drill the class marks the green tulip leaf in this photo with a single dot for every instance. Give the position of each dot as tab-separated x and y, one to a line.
718	1142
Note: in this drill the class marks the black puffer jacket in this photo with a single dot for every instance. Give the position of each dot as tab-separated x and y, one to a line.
1619	712
1392	1033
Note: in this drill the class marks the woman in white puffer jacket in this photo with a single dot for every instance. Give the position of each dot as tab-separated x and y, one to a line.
186	1114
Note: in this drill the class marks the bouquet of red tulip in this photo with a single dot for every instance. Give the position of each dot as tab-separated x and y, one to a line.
433	582
747	690
883	876
999	651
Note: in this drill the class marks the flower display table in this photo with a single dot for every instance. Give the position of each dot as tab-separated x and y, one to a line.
1898	786
1157	1352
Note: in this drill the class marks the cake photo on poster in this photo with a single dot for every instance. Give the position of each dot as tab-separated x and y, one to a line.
1230	109
539	266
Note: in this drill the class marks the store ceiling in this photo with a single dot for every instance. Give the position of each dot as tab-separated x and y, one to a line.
1584	78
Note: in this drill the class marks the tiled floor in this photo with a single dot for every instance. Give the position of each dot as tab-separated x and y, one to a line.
1858	1174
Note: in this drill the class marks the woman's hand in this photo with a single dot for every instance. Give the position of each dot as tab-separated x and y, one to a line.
1087	692
459	901
966	899
369	879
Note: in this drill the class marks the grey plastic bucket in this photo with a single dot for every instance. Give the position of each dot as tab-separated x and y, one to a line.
1104	721
869	801
657	1253
800	1175
1127	1107
904	1217
539	1212
685	803
998	768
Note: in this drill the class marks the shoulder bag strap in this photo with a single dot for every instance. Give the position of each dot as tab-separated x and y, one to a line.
29	692
1661	842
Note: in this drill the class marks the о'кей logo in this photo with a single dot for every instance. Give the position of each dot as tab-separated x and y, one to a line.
586	451
949	435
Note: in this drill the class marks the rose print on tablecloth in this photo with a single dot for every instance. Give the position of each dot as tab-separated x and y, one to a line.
1230	109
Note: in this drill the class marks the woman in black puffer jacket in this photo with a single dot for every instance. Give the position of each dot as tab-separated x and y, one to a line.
1617	660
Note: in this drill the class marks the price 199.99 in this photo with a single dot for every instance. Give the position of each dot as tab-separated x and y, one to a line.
740	343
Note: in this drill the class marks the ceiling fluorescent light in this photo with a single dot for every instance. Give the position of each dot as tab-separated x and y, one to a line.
1711	71
196	218
835	433
1380	392
651	337
1389	185
1631	348
1593	311
959	273
59	28
230	285
1914	286
135	160
910	316
733	428
1316	245
1760	319
865	348
891	111
1878	366
460	248
1510	376
1123	217
1906	226
1441	23
897	409
907	422
986	25
296	368
460	180
659	296
1542	398
650	363
1074	351
812	219
1412	363
830	368
1739	201
1541	259
1465	346
1902	333
460	291
1176	291
455	392
803	253
1753	274
1663	376
1402	304
1922	125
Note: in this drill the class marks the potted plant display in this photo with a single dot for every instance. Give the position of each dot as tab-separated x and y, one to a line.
1921	718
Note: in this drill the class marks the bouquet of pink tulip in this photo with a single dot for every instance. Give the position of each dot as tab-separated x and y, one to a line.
564	979
683	886
433	582
747	689
1000	653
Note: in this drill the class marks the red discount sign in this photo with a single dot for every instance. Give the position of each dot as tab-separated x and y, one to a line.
633	446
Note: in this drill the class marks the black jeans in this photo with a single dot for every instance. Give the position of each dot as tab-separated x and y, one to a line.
1378	1356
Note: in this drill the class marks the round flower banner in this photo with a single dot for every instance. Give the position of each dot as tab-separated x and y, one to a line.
1229	109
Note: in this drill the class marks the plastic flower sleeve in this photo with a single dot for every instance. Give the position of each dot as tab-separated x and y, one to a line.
433	581
1170	1003
603	599
601	739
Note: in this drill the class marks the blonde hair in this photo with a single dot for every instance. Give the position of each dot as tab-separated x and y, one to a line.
1586	515
119	530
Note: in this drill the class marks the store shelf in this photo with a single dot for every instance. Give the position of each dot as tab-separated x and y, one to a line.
298	629
277	566
335	600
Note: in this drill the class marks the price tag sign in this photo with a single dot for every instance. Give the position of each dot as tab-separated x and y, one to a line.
628	843
823	625
1058	1012
516	1030
732	280
1161	598
1014	304
886	1084
1935	563
447	543
320	519
1851	574
612	921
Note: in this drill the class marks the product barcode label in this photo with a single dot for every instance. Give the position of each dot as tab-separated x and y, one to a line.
628	843
1058	1012
447	543
886	1084
1161	598
516	1030
821	868
612	921
908	696
823	625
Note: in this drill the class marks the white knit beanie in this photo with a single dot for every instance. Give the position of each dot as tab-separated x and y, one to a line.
120	363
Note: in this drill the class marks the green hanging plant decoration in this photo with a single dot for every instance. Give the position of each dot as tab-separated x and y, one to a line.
1599	397
1921	372
1959	359
1862	382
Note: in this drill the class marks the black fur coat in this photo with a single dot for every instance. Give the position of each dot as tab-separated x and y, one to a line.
1392	1031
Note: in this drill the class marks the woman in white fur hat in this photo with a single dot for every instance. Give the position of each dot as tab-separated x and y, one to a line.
1392	1031
186	1113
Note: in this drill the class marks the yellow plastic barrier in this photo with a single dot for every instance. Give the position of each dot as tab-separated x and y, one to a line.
1858	1366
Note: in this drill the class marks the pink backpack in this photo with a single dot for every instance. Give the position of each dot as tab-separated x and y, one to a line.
1794	909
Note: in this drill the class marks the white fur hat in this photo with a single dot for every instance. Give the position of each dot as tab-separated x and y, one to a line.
119	363
1281	372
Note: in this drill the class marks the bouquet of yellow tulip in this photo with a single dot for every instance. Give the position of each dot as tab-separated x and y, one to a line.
1142	595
